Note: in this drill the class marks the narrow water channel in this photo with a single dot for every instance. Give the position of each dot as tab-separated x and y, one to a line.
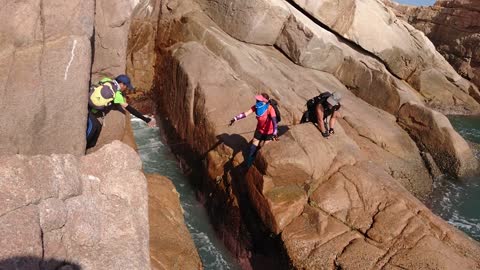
157	158
458	200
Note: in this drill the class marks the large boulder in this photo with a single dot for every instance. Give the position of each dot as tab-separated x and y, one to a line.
252	21
393	148
359	219
171	245
313	46
141	55
434	132
405	51
454	28
89	212
112	25
45	61
338	201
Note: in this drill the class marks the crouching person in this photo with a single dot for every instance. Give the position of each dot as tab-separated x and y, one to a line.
323	110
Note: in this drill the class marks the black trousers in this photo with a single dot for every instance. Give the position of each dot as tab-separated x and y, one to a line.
94	127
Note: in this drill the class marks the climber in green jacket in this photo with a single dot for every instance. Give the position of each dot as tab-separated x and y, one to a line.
105	96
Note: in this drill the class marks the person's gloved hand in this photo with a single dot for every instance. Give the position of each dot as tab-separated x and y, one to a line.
152	123
233	120
331	131
275	135
325	134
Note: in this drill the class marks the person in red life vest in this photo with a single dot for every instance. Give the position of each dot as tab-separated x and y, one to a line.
266	130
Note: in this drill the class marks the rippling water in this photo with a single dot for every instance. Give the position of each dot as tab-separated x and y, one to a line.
458	201
157	158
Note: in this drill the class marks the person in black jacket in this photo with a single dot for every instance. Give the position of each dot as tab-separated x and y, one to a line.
320	108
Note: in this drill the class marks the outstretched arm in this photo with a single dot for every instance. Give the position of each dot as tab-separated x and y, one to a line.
136	113
240	116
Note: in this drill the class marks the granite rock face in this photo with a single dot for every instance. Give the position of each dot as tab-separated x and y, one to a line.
112	25
141	56
346	200
45	60
171	245
454	28
91	212
404	50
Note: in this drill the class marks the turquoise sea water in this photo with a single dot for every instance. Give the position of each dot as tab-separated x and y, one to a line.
157	158
458	200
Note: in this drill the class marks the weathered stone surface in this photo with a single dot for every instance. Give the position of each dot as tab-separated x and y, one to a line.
312	46
112	24
252	21
90	210
171	246
276	205
336	201
20	235
362	69
53	214
45	58
399	46
26	181
381	222
314	239
404	159
436	90
454	28
141	55
434	132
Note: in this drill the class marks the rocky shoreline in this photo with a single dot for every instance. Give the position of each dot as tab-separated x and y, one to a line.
337	208
349	202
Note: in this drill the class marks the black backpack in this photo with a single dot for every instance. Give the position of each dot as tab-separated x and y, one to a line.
310	115
274	104
311	103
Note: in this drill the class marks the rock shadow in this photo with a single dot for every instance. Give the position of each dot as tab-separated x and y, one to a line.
283	129
36	263
266	248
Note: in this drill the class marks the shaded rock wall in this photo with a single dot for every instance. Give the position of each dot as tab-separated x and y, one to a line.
91	211
141	55
331	201
454	28
45	60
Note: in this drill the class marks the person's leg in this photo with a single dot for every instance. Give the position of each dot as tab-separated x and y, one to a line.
319	113
93	130
333	119
253	150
